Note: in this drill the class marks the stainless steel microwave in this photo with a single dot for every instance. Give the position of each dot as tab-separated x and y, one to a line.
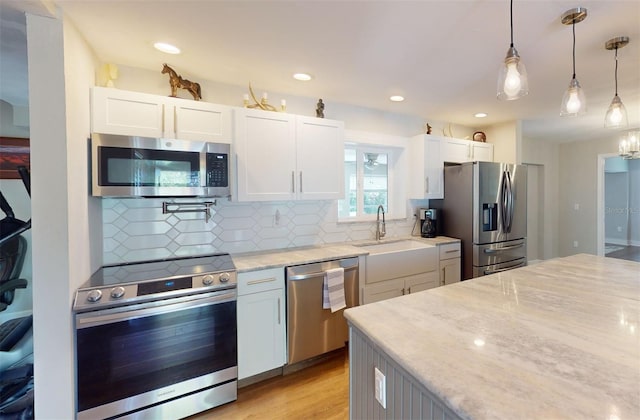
130	166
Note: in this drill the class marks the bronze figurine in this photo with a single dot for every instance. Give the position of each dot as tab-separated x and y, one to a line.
176	81
320	109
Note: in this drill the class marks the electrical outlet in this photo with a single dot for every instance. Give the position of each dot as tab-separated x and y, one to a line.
619	228
575	244
381	388
576	206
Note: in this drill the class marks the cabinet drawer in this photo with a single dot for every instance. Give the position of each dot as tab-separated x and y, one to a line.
260	281
449	251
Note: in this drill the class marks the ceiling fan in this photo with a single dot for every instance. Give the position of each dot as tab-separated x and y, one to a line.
372	160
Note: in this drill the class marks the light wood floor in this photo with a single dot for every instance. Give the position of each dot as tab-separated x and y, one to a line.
316	392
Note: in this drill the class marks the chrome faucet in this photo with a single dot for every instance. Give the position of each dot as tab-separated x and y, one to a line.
380	227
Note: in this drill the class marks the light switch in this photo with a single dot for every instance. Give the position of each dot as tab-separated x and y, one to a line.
381	388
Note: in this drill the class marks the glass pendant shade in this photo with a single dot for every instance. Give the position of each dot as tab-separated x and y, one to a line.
616	115
573	101
512	80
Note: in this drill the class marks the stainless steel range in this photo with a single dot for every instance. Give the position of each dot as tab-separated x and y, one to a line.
157	339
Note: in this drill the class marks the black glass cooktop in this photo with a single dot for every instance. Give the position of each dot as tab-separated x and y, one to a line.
144	271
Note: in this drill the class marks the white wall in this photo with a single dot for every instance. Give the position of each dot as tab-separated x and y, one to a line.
505	139
578	188
9	127
545	155
61	70
355	117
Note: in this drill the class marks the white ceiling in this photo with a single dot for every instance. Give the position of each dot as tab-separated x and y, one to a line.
443	56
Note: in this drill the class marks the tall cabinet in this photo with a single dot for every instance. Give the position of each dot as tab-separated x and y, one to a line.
288	157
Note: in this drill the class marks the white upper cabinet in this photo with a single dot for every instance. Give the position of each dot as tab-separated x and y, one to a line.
287	157
115	111
320	158
459	150
265	155
427	167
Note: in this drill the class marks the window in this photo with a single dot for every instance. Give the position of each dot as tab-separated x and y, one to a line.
367	181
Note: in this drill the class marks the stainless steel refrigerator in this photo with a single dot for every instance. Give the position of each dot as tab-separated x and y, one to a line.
485	206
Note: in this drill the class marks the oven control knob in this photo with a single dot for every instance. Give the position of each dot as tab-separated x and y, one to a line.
224	277
207	280
94	295
117	292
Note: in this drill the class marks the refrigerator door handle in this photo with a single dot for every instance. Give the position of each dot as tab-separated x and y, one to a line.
510	201
503	201
504	248
499	270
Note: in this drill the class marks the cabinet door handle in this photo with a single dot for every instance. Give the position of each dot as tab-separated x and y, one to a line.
300	181
267	280
403	291
450	251
175	120
164	126
444	276
278	311
409	292
293	182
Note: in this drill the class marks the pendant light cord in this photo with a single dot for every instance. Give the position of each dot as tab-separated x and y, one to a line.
574	48
616	73
511	15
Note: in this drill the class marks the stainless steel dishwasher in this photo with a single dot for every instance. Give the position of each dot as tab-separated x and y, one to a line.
311	330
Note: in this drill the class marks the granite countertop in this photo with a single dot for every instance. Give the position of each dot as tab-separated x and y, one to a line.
558	339
294	256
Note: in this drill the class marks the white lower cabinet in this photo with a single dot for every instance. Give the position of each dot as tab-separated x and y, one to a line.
261	321
450	263
397	287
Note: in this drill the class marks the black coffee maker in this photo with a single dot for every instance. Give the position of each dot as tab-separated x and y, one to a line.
429	223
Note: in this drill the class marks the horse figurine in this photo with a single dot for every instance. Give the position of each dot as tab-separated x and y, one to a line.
176	81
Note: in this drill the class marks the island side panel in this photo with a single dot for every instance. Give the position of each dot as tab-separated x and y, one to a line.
405	397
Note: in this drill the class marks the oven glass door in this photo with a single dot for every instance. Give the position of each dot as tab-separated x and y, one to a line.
133	167
118	360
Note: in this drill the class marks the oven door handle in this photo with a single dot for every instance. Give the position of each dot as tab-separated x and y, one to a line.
109	316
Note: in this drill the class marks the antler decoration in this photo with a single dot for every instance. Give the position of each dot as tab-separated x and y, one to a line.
260	104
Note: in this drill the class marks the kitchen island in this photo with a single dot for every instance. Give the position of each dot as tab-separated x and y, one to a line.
559	339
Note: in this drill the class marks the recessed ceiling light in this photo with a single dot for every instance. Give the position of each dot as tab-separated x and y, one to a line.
396	98
480	115
304	77
166	48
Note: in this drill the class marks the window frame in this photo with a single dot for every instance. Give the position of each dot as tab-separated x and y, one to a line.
396	199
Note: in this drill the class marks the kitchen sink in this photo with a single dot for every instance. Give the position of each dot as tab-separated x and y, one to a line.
391	260
395	246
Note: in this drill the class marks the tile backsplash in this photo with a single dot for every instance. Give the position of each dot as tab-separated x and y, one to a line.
136	229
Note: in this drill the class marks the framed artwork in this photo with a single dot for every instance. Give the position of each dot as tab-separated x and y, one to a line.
14	152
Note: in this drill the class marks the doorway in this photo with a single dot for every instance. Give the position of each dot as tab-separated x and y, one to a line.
618	230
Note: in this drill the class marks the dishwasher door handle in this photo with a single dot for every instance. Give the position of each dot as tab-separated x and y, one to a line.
308	276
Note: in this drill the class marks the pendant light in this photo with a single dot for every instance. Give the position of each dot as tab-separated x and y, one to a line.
512	80
616	116
573	101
